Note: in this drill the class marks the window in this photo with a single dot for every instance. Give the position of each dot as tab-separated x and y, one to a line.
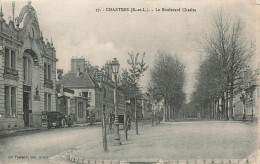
10	101
47	102
80	110
89	96
104	93
47	71
27	69
85	94
47	76
10	59
32	33
10	63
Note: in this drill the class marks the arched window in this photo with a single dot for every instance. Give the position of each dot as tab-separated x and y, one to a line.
32	34
27	69
104	93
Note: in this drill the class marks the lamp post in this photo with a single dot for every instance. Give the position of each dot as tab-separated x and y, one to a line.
115	68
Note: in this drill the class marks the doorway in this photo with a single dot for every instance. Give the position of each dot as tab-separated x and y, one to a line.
26	108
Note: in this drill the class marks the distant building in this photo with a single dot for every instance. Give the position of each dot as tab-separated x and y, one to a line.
27	71
250	87
147	107
69	104
98	89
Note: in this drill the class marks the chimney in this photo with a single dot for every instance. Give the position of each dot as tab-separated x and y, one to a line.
13	7
77	63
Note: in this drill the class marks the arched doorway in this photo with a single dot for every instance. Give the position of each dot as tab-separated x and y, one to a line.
30	60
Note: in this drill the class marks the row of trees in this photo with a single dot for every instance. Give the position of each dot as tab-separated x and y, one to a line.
167	82
226	52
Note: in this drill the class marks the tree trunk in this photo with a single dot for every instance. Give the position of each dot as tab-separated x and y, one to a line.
152	115
170	114
218	109
223	106
164	111
231	113
214	108
226	101
136	118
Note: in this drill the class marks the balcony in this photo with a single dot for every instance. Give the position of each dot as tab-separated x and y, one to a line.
48	83
11	73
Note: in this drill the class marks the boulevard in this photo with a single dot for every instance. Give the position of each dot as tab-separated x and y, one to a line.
171	140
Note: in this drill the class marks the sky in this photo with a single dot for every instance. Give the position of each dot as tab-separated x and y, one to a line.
77	30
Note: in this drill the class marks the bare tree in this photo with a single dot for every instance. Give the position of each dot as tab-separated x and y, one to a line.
130	79
227	47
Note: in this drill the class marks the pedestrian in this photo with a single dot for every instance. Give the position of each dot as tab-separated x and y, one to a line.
244	117
91	118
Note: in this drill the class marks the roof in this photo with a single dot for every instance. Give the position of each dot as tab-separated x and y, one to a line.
71	80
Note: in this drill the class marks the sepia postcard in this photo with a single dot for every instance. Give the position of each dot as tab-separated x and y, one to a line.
129	82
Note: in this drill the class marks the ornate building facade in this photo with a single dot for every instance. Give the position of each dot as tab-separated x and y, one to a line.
27	71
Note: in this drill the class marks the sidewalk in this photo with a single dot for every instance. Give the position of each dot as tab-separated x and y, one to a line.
12	132
151	146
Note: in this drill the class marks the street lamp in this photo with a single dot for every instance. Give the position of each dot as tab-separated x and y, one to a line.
115	68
